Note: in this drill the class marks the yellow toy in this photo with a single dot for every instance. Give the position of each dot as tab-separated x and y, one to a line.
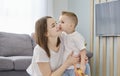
78	71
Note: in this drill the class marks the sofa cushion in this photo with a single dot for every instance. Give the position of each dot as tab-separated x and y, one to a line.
12	44
6	63
21	62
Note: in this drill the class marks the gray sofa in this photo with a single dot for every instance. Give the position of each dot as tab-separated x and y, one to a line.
15	53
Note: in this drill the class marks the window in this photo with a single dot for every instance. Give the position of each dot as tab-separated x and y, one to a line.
19	16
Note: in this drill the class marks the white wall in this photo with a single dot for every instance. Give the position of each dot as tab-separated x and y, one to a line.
58	6
50	7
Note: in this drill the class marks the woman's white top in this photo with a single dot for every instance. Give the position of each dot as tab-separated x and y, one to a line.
40	55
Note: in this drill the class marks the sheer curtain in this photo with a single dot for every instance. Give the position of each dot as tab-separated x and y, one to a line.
19	16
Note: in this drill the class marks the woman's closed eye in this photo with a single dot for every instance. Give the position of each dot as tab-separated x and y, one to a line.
53	25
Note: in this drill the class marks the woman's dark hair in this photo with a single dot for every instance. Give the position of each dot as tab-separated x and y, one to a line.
40	33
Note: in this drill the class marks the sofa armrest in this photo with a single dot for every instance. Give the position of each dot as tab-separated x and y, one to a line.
89	54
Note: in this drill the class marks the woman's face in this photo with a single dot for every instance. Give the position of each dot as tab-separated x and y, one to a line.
53	29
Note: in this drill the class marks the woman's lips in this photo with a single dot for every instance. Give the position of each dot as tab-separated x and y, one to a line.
59	28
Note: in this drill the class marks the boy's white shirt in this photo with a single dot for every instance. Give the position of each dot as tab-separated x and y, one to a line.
72	42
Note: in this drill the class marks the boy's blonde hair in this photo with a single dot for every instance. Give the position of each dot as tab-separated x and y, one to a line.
72	16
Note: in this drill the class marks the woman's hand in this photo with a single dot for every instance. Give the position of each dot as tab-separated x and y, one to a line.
71	60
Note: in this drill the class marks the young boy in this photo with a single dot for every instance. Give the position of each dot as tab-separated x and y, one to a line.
73	41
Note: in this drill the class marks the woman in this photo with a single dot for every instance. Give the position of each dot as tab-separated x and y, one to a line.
48	53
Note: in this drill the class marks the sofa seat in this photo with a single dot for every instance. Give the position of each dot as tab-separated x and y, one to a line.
16	52
6	63
15	62
21	62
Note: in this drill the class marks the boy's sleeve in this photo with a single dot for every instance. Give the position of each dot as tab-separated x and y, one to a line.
80	42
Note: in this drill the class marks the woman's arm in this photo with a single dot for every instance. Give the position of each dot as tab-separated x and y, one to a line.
46	70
